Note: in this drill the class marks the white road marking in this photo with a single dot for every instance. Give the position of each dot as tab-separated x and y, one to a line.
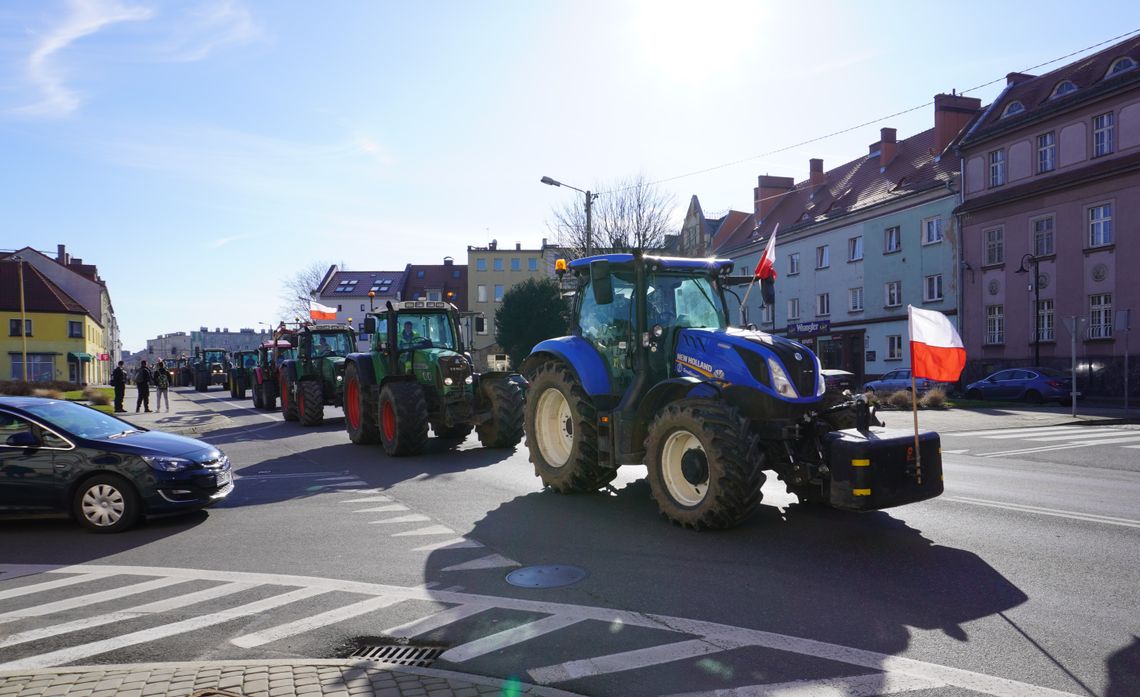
436	620
283	475
429	530
88	599
383	509
413	518
1101	437
491	561
630	660
336	486
370	499
1061	446
855	686
51	585
337	479
1072	515
955	452
1012	431
322	619
509	637
456	543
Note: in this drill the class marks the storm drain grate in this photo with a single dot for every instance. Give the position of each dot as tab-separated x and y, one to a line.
403	655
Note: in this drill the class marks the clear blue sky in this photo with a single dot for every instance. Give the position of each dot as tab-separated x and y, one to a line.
200	151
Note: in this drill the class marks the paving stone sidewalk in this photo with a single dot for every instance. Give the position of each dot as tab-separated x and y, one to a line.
334	678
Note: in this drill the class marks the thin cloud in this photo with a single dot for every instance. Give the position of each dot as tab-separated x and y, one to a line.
211	27
223	241
85	18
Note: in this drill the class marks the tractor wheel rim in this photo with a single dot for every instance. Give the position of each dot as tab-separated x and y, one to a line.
351	404
102	505
554	427
684	468
389	421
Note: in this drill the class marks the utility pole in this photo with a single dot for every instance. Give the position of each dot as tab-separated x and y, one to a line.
23	317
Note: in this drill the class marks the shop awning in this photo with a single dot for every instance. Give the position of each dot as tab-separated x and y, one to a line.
77	356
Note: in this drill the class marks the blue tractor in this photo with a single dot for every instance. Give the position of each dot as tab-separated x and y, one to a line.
652	373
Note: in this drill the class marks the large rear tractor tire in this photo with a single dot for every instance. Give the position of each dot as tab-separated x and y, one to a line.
403	418
506	426
360	415
311	403
268	396
256	390
705	467
239	388
562	433
288	405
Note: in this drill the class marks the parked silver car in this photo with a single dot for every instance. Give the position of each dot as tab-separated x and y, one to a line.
900	380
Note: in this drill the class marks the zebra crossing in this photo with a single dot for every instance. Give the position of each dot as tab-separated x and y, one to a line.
43	617
1052	438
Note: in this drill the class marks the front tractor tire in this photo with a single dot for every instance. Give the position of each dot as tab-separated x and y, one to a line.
239	388
506	426
256	391
562	432
403	418
311	403
288	404
705	467
360	415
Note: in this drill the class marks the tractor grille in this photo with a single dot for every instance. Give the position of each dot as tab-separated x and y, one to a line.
454	367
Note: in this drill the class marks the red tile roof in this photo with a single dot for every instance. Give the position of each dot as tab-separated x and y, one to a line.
734	229
40	294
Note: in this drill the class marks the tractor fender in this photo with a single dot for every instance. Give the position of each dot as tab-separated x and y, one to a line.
580	355
666	392
363	363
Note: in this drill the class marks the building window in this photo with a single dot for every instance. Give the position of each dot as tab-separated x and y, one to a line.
995	246
516	264
498	292
420	274
1120	65
855	300
932	291
997	167
1100	316
74	330
1045	320
894	347
481	293
480	264
1063	87
1100	225
1103	134
1043	237
532	264
823	305
14	327
486	326
498	264
362	308
1046	152
1014	107
894	293
793	263
41	366
794	309
855	248
822	257
932	230
995	324
767	316
892	240
435	295
344	286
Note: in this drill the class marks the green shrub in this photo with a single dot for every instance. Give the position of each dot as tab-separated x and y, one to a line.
933	399
97	396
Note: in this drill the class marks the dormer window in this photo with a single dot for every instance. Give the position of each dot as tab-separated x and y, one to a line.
1014	107
1063	87
1120	65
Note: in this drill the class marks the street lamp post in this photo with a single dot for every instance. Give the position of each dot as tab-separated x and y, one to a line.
23	316
1036	304
590	197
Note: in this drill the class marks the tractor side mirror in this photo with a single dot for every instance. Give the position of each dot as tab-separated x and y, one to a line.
369	325
601	282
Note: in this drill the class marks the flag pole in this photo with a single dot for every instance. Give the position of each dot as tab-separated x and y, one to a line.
914	409
744	302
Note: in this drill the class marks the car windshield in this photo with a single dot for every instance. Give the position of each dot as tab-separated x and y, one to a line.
340	344
79	420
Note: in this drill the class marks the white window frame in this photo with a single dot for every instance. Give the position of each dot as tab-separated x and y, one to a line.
996	159
1099	226
823	256
892	293
793	263
855	248
932	288
995	245
1045	320
893	235
499	290
823	305
481	293
855	299
1104	134
793	309
1044	239
1046	152
486	326
995	325
1100	316
931	231
894	347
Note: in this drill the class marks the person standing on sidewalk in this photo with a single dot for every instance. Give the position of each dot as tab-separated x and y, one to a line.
161	386
142	382
119	382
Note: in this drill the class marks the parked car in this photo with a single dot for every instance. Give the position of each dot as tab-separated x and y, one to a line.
1035	385
900	380
105	472
838	380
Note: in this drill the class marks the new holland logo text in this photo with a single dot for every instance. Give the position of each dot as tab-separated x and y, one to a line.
694	364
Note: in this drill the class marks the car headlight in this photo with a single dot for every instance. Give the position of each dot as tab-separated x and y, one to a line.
164	463
780	381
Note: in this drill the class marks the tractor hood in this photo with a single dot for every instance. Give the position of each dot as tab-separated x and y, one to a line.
785	369
451	365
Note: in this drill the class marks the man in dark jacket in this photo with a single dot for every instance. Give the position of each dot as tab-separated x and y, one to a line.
142	382
119	382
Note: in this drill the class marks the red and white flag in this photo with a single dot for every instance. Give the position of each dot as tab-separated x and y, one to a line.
936	350
764	268
319	311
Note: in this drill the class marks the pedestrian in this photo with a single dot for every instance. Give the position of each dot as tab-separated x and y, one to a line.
161	385
142	381
119	382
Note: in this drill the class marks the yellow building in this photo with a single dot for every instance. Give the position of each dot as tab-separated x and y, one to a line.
58	337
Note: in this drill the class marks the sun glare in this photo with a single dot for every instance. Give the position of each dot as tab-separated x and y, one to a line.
689	41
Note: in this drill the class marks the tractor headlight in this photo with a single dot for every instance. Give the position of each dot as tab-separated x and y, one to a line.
780	381
163	463
448	381
820	383
469	380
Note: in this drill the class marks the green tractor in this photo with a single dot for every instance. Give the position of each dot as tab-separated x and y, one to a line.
313	378
210	367
240	366
416	374
263	375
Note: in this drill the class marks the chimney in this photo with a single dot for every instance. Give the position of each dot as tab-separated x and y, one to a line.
494	245
448	261
767	194
951	114
61	254
544	243
817	176
518	246
888	147
1012	79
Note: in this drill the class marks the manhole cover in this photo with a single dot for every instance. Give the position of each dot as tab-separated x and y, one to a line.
549	576
403	655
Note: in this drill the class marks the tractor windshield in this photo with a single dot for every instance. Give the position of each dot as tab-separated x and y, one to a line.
684	300
214	356
424	330
340	344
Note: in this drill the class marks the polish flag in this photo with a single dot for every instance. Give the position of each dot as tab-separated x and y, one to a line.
319	311
764	268
936	350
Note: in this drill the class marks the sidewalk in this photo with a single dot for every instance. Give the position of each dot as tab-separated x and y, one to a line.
185	416
339	678
984	418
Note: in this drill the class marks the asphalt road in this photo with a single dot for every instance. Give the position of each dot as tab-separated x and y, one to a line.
1020	580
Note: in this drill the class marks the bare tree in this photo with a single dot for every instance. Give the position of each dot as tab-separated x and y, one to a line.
299	288
628	215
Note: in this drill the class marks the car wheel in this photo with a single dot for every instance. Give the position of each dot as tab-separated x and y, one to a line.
1033	397
974	394
106	503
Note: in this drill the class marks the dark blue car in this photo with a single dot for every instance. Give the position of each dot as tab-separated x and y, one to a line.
1034	385
105	472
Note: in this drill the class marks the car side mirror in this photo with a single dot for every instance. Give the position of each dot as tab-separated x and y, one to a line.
23	439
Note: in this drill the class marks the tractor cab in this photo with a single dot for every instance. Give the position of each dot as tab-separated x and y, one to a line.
417	335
